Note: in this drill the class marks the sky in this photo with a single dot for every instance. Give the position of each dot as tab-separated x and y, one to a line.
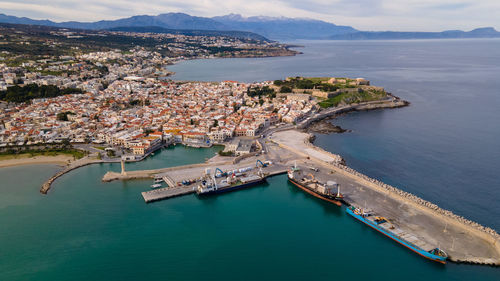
373	15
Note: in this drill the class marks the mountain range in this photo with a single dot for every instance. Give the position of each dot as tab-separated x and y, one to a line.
277	28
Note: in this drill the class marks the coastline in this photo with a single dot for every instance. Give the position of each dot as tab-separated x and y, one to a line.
61	160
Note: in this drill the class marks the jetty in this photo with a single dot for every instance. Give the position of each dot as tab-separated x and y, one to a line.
464	241
75	165
165	193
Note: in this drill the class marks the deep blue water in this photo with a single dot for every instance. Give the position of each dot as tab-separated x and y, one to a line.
445	147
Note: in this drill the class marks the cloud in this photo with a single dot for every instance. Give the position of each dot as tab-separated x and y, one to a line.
404	15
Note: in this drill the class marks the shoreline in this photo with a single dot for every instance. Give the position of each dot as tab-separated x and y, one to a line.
60	160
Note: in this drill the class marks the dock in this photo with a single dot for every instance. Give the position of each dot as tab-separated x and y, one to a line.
165	193
191	174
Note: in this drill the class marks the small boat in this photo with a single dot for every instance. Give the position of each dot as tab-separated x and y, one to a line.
158	180
383	226
156	185
330	192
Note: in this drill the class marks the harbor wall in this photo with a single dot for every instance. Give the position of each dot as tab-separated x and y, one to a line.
486	233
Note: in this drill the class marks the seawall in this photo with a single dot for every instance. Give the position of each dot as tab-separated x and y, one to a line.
486	233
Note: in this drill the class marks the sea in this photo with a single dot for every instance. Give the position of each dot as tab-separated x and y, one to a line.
444	148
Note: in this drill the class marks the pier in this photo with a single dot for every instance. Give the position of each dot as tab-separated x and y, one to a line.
174	178
464	241
422	222
165	193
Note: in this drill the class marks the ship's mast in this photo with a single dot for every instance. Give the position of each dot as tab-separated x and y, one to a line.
215	182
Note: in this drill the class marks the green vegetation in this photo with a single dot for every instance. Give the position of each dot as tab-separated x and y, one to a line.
353	97
77	154
63	116
285	89
110	153
33	91
261	91
317	83
225	153
306	83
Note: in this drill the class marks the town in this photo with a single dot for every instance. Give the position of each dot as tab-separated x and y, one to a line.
122	104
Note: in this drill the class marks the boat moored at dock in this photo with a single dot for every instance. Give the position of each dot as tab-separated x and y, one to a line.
383	226
329	192
209	185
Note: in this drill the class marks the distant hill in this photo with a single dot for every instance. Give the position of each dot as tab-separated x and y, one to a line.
170	20
269	27
487	32
274	28
192	32
284	28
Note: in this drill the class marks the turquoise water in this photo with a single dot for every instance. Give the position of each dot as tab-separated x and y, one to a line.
174	156
89	230
444	147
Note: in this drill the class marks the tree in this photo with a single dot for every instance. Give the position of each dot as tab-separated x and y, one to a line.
62	116
285	89
216	123
66	143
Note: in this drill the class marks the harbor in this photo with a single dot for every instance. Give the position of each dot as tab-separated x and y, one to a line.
187	180
421	222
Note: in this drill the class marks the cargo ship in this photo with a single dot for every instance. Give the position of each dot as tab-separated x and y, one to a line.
210	186
310	185
383	226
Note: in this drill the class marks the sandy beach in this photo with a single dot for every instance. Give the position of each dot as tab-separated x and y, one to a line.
20	160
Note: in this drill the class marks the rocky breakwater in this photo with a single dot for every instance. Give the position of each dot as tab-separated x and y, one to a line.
80	163
486	233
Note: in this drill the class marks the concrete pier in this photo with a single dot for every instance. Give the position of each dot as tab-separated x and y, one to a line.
165	193
464	241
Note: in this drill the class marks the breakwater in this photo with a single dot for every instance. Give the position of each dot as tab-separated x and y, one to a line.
80	163
424	203
487	233
464	240
491	233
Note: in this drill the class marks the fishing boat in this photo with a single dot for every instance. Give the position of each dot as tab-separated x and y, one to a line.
329	192
383	226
